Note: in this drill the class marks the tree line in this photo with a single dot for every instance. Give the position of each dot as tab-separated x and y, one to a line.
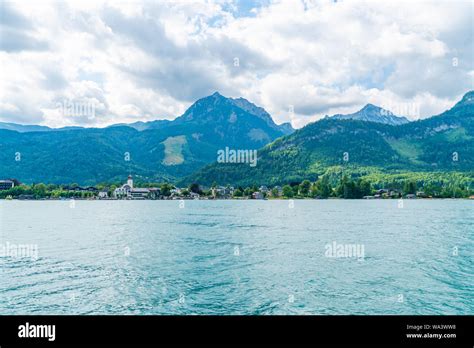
324	187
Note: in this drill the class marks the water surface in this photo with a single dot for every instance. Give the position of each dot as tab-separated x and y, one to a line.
238	257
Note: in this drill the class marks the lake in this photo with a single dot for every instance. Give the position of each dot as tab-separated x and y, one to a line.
237	257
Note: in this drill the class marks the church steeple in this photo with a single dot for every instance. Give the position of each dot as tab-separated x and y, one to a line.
130	181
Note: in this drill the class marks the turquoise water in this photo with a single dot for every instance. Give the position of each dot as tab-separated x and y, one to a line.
238	257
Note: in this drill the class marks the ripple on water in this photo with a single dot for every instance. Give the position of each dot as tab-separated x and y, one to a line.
185	261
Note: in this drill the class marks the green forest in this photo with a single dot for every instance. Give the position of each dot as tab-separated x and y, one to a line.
335	183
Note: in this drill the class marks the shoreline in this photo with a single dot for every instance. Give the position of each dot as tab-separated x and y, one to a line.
244	199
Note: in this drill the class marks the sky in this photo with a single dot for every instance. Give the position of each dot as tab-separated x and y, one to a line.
95	63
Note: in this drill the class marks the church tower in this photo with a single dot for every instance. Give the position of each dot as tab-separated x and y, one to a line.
130	181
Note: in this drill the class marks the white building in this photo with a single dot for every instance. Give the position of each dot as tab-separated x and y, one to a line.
139	193
194	195
125	190
103	194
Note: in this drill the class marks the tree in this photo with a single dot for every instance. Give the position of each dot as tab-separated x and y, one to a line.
275	192
322	188
166	189
112	189
248	192
409	187
349	189
194	187
304	188
238	193
341	189
287	191
364	188
295	189
39	190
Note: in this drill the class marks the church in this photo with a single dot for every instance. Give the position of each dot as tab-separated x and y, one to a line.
127	191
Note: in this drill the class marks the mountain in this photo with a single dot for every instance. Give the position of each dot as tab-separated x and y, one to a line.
24	128
441	143
141	126
284	128
373	113
158	150
33	128
231	113
187	147
464	104
244	104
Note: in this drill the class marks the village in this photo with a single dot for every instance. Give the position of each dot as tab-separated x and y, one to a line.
128	191
13	189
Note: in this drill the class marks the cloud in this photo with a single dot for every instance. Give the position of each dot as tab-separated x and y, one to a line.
300	60
16	32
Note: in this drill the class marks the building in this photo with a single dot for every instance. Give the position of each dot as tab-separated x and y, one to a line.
382	193
80	189
139	193
258	195
155	193
222	191
104	194
125	189
130	181
194	195
395	194
6	184
175	192
218	191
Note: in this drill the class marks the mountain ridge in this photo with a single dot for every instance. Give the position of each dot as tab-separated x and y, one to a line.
369	113
373	113
186	148
169	150
444	142
240	102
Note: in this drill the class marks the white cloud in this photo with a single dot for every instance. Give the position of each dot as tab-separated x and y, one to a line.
145	60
